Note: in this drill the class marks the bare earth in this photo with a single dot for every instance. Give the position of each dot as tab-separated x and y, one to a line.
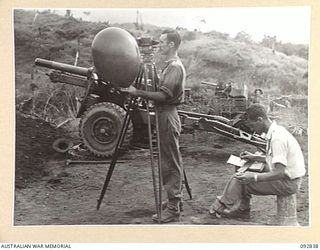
50	193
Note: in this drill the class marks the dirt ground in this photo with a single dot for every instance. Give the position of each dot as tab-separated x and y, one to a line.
50	193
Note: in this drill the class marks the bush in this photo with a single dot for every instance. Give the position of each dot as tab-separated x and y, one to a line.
50	102
189	36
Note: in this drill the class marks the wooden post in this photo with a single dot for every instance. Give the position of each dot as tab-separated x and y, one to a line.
287	210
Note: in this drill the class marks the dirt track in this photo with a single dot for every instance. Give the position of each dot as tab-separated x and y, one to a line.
61	195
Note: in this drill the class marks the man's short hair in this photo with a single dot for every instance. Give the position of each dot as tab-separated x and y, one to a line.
258	90
173	36
255	111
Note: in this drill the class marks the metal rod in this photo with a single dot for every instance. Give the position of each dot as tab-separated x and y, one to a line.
116	152
187	184
154	85
158	209
69	162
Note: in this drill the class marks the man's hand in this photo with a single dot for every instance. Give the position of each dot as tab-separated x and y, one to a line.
247	155
253	157
158	96
130	90
246	177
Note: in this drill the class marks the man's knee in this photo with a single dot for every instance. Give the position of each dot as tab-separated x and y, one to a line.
291	190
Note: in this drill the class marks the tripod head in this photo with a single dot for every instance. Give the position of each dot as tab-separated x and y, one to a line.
147	47
147	78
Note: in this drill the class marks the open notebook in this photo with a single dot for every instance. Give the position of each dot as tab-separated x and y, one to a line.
245	165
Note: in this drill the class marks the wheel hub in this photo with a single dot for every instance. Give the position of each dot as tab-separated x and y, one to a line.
104	130
100	126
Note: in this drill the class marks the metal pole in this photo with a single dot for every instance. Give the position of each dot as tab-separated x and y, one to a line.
155	88
116	153
158	209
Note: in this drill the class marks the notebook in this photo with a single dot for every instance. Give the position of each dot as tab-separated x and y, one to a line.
245	165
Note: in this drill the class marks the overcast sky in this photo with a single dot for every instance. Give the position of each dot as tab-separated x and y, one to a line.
288	24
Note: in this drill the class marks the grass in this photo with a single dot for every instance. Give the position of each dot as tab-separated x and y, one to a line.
212	57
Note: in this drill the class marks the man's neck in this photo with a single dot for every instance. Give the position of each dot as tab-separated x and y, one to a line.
171	55
268	123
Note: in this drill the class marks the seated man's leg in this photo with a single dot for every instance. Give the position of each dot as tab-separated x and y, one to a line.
231	196
232	193
236	196
281	187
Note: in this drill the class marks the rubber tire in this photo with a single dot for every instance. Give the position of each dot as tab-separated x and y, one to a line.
104	110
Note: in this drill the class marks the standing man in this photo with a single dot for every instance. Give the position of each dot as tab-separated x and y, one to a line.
167	98
284	162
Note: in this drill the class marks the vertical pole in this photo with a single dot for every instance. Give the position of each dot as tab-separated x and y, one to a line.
158	208
77	58
155	88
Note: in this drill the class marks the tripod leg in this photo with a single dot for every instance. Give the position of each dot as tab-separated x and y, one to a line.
120	139
187	184
154	83
115	156
158	207
159	160
152	167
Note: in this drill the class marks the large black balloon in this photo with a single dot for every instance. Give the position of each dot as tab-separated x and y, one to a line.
116	56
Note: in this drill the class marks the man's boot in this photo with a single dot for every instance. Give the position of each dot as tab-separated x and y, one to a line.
165	204
170	214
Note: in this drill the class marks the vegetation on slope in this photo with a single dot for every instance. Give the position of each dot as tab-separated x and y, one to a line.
212	56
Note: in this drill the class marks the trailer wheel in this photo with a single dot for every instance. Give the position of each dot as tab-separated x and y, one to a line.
100	128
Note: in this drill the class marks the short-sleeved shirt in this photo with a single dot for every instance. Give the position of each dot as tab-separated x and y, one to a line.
283	148
172	81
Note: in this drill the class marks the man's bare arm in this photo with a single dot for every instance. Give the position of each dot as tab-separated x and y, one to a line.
154	96
276	174
158	96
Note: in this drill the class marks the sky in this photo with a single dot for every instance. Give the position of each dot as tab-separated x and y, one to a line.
288	24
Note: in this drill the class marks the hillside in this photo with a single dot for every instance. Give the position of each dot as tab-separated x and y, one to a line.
221	60
212	56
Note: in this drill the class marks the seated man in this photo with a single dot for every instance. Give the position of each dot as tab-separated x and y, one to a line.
258	96
284	162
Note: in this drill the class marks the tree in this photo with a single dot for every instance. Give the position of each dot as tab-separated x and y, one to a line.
270	42
68	13
243	36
